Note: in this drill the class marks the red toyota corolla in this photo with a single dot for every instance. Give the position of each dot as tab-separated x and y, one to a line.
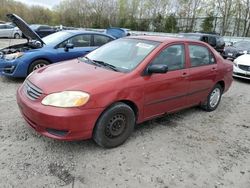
128	81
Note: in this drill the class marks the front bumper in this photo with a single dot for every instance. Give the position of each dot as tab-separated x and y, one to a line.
16	68
59	123
239	73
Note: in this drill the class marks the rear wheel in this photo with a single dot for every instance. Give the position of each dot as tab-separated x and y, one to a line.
17	36
213	99
114	126
37	64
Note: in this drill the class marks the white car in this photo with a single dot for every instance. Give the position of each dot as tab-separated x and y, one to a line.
9	31
242	67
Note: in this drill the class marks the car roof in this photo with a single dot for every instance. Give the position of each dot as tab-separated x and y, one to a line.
164	39
200	34
81	31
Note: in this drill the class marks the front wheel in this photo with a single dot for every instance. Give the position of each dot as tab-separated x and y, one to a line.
114	126
213	99
37	64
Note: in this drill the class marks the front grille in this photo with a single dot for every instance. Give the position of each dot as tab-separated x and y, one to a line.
32	92
244	67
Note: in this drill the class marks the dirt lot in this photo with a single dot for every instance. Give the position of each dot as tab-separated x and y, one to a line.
188	149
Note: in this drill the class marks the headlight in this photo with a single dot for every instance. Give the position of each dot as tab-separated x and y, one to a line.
13	56
235	64
66	99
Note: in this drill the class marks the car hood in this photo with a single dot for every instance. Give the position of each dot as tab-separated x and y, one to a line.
243	60
71	75
23	26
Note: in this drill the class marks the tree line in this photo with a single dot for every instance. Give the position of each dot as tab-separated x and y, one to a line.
227	17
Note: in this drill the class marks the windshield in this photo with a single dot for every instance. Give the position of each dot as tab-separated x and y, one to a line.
124	54
242	44
56	38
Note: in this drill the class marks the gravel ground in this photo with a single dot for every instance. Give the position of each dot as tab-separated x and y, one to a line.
190	149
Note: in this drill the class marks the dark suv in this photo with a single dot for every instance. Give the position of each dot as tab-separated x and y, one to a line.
216	41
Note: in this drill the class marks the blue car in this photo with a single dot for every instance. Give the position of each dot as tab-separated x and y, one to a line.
20	60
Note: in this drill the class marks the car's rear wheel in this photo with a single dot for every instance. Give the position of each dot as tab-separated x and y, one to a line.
213	98
114	126
37	64
17	36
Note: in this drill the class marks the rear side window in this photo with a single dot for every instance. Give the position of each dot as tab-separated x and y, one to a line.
200	56
100	40
172	56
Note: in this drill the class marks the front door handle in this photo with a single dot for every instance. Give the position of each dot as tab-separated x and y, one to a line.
184	75
214	69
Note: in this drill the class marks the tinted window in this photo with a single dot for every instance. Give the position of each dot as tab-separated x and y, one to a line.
242	44
173	57
99	40
9	27
1	26
200	55
78	41
220	41
44	27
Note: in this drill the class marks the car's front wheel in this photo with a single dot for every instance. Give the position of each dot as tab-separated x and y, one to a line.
37	64
114	126
213	98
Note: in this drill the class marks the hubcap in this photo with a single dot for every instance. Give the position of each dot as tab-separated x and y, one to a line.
116	126
214	97
39	66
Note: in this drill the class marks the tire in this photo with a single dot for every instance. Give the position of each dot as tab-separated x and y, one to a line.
213	99
37	64
114	126
17	36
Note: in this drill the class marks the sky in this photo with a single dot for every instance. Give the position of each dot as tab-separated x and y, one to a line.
45	3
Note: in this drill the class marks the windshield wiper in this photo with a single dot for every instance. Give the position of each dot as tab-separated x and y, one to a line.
106	65
89	60
100	63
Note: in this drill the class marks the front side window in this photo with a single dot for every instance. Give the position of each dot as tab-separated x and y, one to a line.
172	56
100	40
200	55
78	41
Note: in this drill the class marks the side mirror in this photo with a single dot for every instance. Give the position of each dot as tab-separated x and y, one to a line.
157	68
68	46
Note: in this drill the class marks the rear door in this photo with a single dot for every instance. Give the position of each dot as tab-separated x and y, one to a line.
202	73
2	30
167	92
9	31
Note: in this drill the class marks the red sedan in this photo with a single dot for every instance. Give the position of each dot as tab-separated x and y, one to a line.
128	81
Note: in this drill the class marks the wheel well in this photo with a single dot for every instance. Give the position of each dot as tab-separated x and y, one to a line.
37	60
222	84
131	105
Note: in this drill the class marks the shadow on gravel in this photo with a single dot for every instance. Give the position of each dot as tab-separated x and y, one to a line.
170	121
241	80
11	80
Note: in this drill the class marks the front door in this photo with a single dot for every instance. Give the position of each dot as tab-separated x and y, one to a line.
82	46
167	92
